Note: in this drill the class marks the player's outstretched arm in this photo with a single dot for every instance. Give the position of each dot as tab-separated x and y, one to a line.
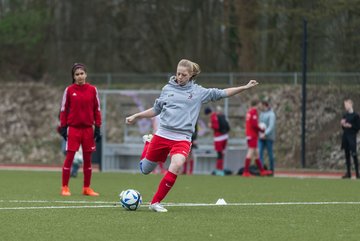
149	113
236	90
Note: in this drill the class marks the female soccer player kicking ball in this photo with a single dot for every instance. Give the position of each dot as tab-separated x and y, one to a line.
178	106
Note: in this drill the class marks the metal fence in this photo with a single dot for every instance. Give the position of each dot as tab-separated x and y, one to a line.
157	80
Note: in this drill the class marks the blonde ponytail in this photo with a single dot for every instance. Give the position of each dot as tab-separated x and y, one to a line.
193	67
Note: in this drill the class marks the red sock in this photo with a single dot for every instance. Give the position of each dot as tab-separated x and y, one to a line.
67	167
247	164
220	164
259	165
185	167
165	185
87	168
146	146
191	166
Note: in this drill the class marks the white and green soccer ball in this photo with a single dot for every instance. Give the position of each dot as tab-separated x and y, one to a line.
130	199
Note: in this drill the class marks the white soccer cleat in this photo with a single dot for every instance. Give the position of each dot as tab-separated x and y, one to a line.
157	207
147	138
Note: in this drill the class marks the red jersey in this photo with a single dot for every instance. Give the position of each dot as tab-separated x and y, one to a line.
252	123
80	106
214	122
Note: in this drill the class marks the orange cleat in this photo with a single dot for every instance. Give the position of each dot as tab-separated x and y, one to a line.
65	191
266	173
246	174
89	192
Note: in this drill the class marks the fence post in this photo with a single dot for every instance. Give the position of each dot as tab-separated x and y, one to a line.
295	78
226	100
108	80
304	94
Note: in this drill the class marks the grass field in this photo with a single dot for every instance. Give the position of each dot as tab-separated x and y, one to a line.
258	209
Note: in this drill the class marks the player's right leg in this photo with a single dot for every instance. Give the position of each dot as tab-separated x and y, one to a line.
155	151
65	191
88	147
146	166
72	145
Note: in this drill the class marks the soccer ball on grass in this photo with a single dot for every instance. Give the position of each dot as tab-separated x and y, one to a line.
130	199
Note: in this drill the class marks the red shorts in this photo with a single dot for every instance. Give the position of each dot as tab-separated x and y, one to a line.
159	148
80	136
220	145
252	141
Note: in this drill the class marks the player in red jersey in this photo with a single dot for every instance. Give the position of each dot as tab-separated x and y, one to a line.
79	114
252	135
220	139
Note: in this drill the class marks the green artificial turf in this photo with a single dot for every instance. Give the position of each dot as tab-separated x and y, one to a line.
265	208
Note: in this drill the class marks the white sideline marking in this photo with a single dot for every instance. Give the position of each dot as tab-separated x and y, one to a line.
115	205
54	201
258	204
56	207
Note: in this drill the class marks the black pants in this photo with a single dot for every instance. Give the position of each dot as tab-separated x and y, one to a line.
348	155
349	146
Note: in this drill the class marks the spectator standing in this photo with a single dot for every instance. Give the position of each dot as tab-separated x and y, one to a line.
267	138
350	124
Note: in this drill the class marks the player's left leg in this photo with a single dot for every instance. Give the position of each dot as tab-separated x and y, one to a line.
179	152
167	182
87	169
88	146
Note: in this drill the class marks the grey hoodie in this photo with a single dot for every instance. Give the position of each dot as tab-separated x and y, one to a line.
268	117
179	106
